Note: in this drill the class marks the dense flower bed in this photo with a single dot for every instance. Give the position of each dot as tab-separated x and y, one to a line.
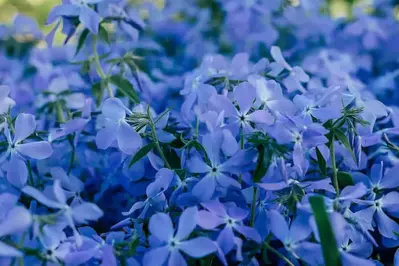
224	132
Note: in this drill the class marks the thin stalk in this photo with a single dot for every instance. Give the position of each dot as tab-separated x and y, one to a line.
281	256
30	174
241	147
334	167
161	116
59	112
253	207
10	124
155	139
197	124
72	159
99	69
241	139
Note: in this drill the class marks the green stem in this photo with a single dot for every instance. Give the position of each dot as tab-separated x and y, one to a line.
72	159
241	139
99	69
59	112
334	166
197	123
30	174
281	256
241	147
253	206
10	124
155	139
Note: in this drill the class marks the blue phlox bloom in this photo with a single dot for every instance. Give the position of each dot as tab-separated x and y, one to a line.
81	213
217	172
351	253
19	149
117	129
296	76
304	136
369	29
129	21
6	102
95	247
346	197
215	123
231	218
75	125
77	8
13	220
244	94
197	95
377	211
269	93
72	185
172	242
379	179
281	176
155	194
328	106
294	237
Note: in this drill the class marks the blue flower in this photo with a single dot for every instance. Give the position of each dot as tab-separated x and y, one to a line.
80	213
13	219
216	172
19	148
117	129
170	242
77	8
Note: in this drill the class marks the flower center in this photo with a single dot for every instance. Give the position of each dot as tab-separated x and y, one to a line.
79	2
173	243
230	222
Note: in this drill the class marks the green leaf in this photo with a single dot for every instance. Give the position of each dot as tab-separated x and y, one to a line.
85	67
141	153
171	155
59	112
81	41
327	238
98	91
198	146
262	164
125	87
103	33
207	261
345	179
322	162
340	135
265	257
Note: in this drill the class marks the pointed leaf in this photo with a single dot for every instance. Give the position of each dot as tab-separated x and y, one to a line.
141	153
327	238
103	33
344	179
98	91
262	164
322	162
340	135
125	87
82	39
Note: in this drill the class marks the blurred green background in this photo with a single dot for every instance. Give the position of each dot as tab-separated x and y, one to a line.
35	8
40	8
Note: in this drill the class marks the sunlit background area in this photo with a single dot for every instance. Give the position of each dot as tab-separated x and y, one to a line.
40	8
34	8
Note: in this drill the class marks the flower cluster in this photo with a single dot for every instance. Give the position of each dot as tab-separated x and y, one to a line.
219	132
